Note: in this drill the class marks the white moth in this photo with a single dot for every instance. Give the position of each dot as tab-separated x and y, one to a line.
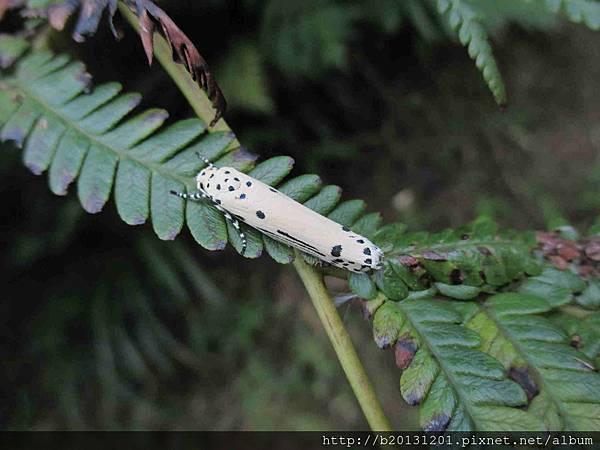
246	199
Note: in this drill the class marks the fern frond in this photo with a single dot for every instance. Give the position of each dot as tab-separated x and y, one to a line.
577	11
457	386
459	263
463	19
94	139
318	31
562	381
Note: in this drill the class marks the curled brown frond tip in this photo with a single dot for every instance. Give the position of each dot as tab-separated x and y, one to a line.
184	51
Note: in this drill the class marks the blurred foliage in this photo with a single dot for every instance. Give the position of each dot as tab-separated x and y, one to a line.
161	340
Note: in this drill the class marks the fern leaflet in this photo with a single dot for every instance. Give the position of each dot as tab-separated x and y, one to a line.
562	381
92	138
458	386
463	19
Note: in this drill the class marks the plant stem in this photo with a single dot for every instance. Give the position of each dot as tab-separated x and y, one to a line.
342	344
313	282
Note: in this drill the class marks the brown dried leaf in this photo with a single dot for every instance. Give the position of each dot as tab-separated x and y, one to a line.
5	5
569	251
558	262
433	256
184	51
592	249
407	260
147	35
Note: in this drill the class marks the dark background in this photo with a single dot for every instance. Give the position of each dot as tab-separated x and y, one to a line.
102	326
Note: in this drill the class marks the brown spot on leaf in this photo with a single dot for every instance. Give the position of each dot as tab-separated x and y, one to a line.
404	351
484	250
523	378
407	260
433	256
456	277
576	341
437	423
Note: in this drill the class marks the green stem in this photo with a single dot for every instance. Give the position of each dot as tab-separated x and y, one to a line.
342	344
313	282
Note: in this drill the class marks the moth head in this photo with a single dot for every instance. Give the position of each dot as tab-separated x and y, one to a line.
204	175
377	258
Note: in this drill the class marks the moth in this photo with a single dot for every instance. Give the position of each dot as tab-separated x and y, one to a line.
242	198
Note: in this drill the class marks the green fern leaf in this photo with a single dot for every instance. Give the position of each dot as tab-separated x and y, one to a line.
459	264
590	296
578	11
464	20
458	386
11	48
562	381
94	138
584	332
557	287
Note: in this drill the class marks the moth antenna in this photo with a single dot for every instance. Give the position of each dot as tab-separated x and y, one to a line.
183	195
194	197
206	160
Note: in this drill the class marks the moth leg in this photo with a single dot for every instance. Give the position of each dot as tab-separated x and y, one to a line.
238	228
200	195
196	196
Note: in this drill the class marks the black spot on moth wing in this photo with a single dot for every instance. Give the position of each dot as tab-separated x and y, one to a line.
242	196
361	241
231	188
368	261
248	183
367	251
260	214
336	250
345	228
